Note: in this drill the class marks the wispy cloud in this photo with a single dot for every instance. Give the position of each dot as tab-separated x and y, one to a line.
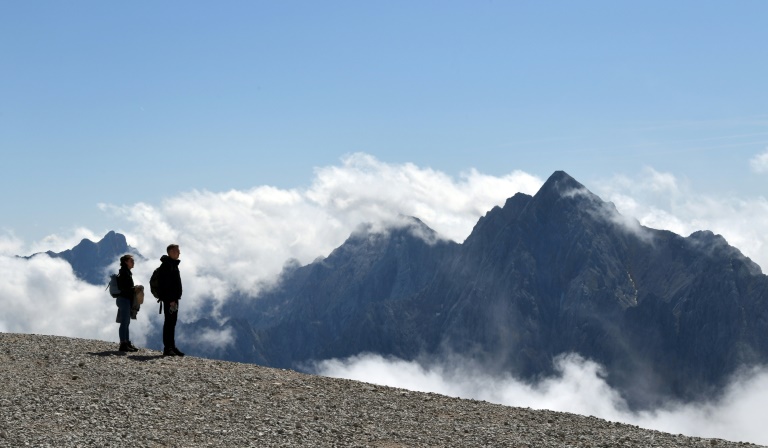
207	338
759	163
662	201
578	386
10	244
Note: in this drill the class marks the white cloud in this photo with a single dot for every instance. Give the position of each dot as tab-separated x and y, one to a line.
10	244
661	201
365	189
736	415
759	163
42	295
208	338
60	243
240	240
578	387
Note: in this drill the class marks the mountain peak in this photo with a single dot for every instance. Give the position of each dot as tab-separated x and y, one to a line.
561	189
382	233
561	183
88	258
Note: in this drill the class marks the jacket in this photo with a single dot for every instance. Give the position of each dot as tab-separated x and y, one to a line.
125	283
169	281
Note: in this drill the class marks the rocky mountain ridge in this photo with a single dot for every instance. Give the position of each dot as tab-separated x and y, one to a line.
558	272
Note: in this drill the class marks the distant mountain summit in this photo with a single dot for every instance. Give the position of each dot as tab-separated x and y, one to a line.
90	261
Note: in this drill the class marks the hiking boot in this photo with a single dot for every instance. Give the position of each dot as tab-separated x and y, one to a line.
123	347
130	347
177	351
169	352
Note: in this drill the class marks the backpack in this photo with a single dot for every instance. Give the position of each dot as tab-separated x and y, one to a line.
154	287
154	284
114	290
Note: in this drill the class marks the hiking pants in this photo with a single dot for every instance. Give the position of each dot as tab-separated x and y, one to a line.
169	327
124	305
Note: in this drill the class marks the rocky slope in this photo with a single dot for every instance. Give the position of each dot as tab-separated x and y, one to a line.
72	392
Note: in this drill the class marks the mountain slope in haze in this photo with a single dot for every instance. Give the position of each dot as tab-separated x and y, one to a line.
561	271
333	305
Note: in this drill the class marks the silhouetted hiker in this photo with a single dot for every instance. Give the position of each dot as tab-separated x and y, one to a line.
124	302
169	286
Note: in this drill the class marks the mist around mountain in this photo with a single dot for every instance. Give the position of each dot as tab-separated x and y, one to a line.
555	273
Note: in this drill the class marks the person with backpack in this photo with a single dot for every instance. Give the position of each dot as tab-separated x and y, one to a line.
169	293
124	302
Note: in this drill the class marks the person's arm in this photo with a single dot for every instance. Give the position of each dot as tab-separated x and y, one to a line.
125	284
162	283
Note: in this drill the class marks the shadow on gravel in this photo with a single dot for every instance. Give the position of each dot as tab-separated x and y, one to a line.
107	353
144	357
132	357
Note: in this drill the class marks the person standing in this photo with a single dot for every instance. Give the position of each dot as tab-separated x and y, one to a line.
124	302
169	284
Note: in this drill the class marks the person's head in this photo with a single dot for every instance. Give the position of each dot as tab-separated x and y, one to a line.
126	261
173	251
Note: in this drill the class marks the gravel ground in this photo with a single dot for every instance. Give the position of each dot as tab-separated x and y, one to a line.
67	392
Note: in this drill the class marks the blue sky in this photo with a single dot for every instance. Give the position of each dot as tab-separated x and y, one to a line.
127	102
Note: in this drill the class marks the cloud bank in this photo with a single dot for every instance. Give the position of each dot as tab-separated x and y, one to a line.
578	387
43	295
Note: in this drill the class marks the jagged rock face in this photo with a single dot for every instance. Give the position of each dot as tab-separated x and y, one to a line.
349	301
558	272
665	314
